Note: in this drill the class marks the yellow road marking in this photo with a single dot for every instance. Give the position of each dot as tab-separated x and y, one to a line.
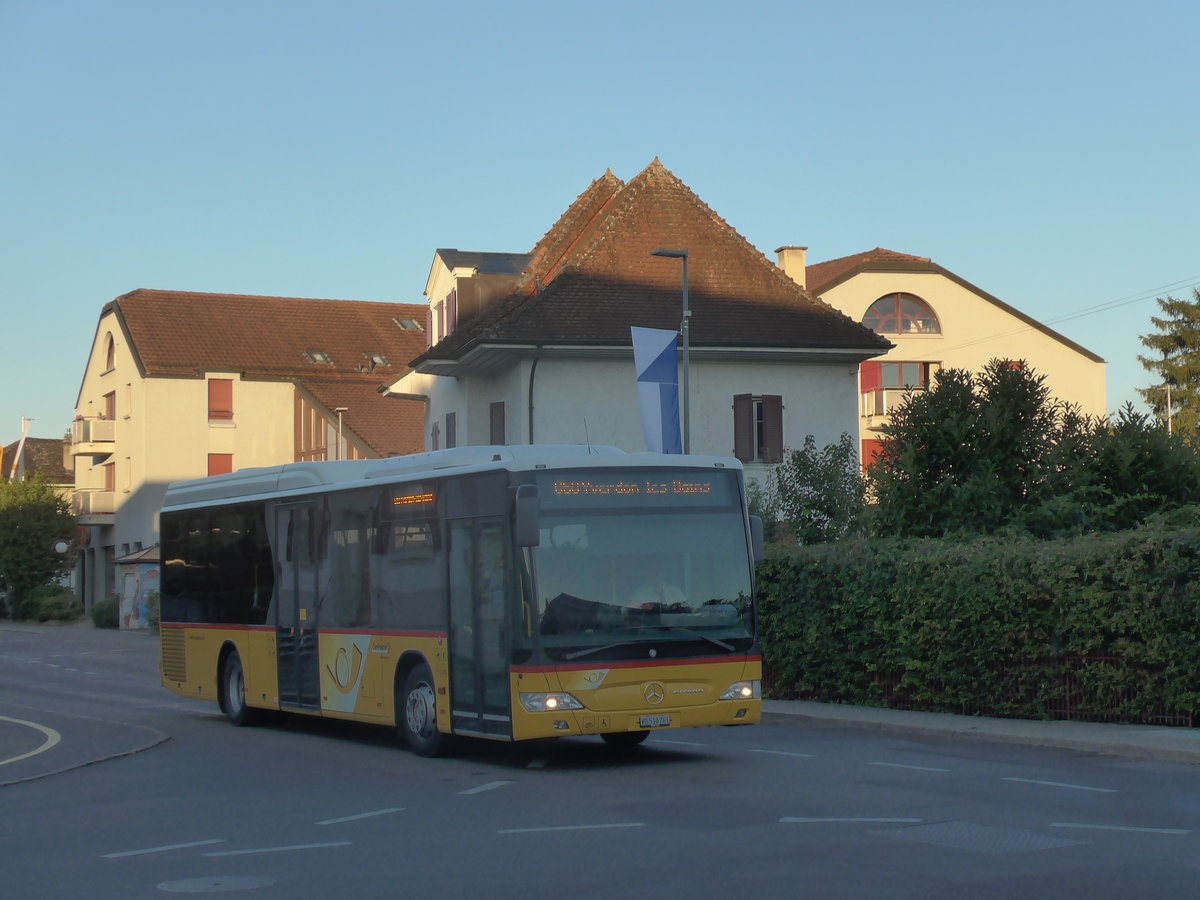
52	738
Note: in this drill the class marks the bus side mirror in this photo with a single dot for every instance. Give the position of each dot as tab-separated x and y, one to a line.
756	538
525	524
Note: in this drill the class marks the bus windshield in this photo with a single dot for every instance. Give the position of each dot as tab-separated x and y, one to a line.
626	566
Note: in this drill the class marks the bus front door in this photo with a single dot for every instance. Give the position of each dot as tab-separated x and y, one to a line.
299	539
481	580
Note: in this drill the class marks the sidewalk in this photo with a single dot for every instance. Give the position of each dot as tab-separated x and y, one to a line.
1136	741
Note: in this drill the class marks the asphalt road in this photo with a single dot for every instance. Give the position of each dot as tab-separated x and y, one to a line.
114	788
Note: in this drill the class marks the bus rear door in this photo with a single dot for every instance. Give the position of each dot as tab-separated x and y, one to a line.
300	539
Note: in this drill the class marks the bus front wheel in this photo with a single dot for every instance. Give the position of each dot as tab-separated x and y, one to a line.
233	692
416	713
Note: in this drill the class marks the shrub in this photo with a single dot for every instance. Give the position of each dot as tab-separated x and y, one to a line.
1101	626
107	613
153	610
51	603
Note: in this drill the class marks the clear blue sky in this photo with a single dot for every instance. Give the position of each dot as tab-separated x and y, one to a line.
1044	151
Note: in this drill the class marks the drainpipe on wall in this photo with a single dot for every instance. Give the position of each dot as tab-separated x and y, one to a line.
537	354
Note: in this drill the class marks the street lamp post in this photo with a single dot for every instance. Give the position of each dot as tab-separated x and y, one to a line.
683	330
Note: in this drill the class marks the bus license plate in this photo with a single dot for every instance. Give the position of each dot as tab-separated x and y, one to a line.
655	720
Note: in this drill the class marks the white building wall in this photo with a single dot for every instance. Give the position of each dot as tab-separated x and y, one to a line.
162	433
577	401
975	331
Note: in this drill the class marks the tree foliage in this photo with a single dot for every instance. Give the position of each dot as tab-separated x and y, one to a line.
32	518
813	495
1175	362
978	454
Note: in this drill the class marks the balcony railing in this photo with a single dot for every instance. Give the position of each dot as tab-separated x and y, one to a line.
885	401
92	503
92	436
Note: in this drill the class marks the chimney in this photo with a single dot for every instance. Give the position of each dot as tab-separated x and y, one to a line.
791	260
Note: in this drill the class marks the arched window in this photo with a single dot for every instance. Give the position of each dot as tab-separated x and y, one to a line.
901	314
110	354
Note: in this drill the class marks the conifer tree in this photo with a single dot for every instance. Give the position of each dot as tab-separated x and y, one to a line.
1177	364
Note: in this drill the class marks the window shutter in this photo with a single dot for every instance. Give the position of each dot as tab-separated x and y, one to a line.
871	449
451	430
870	376
497	423
743	427
452	311
429	326
220	398
220	463
433	437
772	438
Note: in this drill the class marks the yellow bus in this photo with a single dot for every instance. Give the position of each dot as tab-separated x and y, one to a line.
510	593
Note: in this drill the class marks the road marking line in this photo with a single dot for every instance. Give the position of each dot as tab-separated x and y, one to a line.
366	815
784	753
1062	784
279	849
888	765
490	786
1121	828
804	820
52	738
570	828
683	743
162	849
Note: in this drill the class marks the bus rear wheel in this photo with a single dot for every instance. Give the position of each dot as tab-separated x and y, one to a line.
233	692
620	740
416	713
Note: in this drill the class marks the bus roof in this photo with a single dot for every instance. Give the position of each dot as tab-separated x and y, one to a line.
303	477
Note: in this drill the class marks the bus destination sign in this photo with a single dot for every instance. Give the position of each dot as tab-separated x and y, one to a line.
630	487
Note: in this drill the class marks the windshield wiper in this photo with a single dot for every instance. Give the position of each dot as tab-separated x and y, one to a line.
588	651
728	648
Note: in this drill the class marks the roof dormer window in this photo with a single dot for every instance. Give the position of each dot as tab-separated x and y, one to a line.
374	360
409	324
318	357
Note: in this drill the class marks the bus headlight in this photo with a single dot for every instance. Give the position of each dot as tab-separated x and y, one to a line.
743	690
545	702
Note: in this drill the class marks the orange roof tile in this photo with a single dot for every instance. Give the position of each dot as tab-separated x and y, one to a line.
820	275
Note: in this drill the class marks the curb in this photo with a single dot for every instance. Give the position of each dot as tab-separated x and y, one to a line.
1181	745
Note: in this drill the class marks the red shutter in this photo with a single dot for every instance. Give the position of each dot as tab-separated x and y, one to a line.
870	451
870	376
220	398
772	413
220	463
743	427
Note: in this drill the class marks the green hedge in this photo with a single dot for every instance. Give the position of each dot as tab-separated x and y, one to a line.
1103	627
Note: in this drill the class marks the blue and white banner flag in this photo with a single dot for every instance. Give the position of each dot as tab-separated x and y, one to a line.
654	360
